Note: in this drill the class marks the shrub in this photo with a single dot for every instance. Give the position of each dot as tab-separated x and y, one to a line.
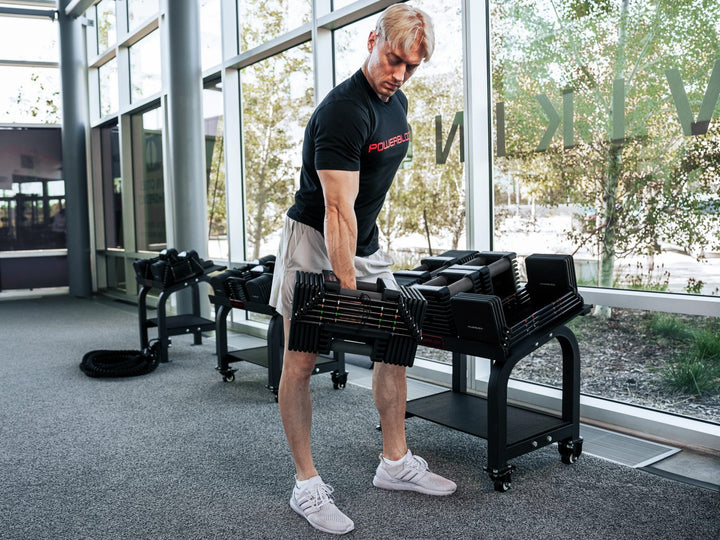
670	327
694	375
697	370
706	344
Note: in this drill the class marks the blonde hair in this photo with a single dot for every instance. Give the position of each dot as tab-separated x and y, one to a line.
402	26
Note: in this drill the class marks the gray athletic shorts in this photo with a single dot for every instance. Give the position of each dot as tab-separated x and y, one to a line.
303	248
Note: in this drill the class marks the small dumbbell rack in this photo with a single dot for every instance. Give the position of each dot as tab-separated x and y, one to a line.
173	272
246	286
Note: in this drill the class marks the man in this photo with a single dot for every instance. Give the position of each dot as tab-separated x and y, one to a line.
354	143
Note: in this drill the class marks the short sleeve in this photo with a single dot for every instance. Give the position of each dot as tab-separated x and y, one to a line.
341	130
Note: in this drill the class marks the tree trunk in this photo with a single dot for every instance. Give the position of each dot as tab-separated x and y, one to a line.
259	218
612	178
427	232
610	207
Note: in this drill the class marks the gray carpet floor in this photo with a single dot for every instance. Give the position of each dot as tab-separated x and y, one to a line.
179	454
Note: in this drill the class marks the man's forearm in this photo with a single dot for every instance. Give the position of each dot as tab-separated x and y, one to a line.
340	189
341	241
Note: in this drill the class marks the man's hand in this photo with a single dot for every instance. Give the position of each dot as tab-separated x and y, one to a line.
340	189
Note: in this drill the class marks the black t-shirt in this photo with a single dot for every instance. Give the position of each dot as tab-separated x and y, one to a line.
353	130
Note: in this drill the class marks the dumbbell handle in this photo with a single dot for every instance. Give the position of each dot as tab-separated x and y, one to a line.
466	284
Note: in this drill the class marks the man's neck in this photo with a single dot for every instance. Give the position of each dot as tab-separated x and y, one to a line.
382	98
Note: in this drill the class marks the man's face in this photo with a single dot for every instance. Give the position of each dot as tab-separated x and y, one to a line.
387	69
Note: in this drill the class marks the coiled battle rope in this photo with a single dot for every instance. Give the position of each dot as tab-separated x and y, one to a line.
108	363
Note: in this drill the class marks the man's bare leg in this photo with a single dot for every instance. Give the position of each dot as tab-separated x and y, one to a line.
311	497
390	394
404	471
296	406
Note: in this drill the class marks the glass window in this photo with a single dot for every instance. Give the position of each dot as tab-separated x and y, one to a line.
109	90
148	181
145	71
262	20
140	11
32	192
106	25
351	47
28	39
215	171
606	143
30	95
607	139
661	361
210	36
112	186
424	213
277	103
116	273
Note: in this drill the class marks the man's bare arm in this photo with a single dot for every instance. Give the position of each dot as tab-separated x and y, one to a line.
340	189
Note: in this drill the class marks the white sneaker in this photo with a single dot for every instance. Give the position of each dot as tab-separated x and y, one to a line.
314	502
412	474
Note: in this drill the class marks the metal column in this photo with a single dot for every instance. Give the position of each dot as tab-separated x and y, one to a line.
186	132
73	69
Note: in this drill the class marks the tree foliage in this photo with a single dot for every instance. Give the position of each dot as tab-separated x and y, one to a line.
276	105
612	60
427	197
36	102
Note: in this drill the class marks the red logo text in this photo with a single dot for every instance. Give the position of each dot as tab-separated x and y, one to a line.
392	141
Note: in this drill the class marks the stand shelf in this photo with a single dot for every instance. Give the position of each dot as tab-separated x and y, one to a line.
269	356
173	325
510	431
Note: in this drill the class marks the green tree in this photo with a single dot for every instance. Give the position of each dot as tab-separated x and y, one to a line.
428	197
611	62
277	102
217	206
35	100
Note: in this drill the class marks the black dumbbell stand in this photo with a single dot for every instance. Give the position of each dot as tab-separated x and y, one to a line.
173	325
269	356
510	431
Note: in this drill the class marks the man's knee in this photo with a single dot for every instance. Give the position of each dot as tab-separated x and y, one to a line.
298	364
295	363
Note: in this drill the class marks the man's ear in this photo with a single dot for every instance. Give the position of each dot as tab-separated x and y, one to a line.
372	40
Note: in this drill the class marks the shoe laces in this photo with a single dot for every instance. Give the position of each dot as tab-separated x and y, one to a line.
417	463
319	495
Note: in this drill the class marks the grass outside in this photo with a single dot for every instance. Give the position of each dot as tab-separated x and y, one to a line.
695	366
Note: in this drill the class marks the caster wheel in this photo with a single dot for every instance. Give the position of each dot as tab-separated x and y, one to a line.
570	451
339	380
501	478
502	486
229	377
